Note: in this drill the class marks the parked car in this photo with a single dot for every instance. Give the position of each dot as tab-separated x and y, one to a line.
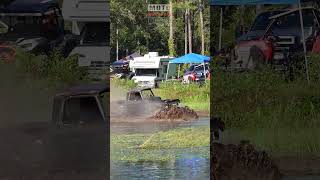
196	73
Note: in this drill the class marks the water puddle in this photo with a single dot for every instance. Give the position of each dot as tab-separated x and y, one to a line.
153	127
189	164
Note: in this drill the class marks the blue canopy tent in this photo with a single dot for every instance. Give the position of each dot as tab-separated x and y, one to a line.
259	2
191	58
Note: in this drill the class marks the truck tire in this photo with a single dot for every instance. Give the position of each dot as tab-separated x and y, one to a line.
156	85
256	59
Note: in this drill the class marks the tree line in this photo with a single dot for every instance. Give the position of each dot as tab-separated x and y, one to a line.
186	30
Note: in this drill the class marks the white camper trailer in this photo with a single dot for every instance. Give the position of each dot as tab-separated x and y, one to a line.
150	69
91	21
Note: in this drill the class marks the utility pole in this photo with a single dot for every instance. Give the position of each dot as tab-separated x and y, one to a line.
201	26
189	30
171	40
186	32
117	44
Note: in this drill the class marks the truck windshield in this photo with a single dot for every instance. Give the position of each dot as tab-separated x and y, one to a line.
31	26
262	21
146	72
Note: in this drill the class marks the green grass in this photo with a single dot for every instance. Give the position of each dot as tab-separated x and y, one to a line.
160	147
278	115
192	95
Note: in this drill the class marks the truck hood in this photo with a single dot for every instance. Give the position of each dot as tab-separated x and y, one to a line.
26	43
296	32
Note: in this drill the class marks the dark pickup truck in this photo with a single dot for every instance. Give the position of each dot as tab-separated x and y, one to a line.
141	102
72	146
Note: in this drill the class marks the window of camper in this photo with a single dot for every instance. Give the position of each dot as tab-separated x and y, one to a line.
96	34
146	72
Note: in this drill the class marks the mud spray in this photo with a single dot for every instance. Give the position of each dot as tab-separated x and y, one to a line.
242	162
124	111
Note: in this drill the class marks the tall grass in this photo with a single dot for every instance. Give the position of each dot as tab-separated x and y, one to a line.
53	68
277	114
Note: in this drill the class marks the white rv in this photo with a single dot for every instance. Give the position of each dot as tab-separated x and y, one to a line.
150	69
91	21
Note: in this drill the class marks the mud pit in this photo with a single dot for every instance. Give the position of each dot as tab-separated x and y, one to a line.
242	162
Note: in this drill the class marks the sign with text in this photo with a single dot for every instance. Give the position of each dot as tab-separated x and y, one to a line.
158	8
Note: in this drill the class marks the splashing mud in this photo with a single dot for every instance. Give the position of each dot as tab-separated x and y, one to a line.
175	113
242	162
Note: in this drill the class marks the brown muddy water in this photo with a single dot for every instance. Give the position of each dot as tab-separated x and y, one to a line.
188	165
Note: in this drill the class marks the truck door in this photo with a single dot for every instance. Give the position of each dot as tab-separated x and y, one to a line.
94	47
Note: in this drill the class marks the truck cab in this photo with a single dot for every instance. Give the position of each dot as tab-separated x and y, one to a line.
91	24
150	69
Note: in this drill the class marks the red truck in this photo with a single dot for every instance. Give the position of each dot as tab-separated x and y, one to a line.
274	35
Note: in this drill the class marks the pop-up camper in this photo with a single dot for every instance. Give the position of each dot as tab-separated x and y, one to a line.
91	21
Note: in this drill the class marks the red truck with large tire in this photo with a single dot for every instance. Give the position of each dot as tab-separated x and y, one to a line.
275	36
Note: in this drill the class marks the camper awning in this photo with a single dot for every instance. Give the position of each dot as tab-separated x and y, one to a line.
191	58
251	2
36	7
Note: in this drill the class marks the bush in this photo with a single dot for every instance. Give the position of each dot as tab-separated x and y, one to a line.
53	68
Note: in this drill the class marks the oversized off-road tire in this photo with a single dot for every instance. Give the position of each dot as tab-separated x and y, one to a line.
241	162
256	59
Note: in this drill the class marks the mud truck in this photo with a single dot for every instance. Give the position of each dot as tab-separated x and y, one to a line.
142	102
74	140
78	136
275	37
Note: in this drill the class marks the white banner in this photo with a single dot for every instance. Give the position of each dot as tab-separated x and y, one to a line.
158	7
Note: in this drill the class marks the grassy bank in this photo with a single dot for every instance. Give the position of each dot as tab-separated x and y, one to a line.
277	115
192	95
160	147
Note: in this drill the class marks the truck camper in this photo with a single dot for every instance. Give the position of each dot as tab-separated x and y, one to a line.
91	23
151	69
